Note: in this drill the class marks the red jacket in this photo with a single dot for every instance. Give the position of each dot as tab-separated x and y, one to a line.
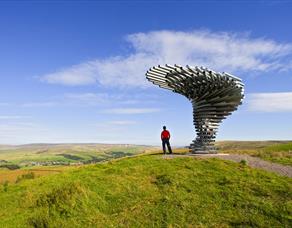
165	134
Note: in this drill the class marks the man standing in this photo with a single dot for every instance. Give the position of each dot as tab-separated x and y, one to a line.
165	136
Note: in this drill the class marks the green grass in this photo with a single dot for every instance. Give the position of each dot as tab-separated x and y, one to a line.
148	191
285	147
274	151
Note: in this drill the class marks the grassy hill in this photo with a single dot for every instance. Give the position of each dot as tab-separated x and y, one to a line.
149	191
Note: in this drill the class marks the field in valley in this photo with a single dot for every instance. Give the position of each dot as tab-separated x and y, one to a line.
29	155
45	159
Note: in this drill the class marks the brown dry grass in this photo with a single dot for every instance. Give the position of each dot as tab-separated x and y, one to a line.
12	175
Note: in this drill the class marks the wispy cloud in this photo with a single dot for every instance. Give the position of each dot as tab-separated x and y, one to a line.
87	98
221	51
39	104
22	132
4	104
122	122
103	98
131	110
93	99
270	102
13	117
70	99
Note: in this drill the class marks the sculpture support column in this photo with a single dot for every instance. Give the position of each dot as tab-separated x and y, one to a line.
206	130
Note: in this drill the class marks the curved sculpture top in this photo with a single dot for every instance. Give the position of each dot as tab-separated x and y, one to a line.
213	95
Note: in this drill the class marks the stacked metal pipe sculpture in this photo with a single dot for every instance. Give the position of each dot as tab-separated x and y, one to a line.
213	95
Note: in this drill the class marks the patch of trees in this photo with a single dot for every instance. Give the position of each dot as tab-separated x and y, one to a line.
10	166
71	157
119	154
96	159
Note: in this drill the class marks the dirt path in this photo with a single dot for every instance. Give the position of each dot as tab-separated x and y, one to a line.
251	161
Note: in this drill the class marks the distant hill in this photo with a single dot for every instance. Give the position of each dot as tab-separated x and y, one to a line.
243	145
65	154
275	151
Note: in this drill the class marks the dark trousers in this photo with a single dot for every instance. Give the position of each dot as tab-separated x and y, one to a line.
166	141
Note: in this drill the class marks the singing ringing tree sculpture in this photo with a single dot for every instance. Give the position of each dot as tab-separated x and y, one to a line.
213	95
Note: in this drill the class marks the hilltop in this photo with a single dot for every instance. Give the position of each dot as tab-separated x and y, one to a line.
150	191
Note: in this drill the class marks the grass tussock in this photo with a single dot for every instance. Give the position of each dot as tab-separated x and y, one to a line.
26	176
58	204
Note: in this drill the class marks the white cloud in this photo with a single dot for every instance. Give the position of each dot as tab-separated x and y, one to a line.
222	51
219	50
81	74
270	102
131	110
116	71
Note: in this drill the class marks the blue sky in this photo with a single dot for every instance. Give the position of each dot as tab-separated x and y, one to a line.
75	71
